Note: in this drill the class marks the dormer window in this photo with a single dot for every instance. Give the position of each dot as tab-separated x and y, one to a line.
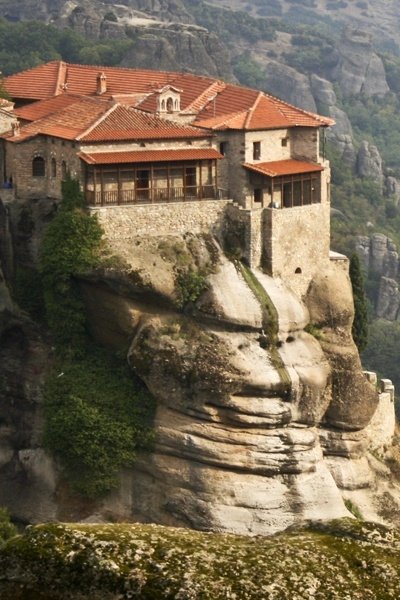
169	100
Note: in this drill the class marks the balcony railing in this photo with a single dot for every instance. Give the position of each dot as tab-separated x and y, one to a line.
154	196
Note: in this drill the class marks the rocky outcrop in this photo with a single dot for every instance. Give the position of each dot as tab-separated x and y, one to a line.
249	403
341	134
359	70
345	558
369	163
180	47
290	85
380	259
27	474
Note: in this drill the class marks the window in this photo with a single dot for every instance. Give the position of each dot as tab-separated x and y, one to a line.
223	147
256	150
170	105
284	142
38	167
258	196
63	170
53	167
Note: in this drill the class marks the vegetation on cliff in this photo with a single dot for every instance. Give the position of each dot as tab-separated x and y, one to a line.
7	529
337	560
360	323
97	413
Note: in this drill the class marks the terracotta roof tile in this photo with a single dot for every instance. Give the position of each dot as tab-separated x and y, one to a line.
94	120
283	167
36	83
123	123
43	108
265	112
219	105
145	156
67	122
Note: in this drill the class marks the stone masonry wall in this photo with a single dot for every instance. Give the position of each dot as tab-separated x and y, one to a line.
296	243
127	222
381	428
305	144
18	160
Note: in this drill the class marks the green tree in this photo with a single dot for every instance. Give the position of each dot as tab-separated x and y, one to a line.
71	245
360	323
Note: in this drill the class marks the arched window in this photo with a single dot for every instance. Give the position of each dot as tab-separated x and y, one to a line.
53	167
38	167
170	105
63	170
162	104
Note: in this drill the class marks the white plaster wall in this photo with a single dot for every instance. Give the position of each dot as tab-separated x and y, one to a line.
271	145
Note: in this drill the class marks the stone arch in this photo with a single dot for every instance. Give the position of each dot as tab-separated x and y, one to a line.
38	166
170	104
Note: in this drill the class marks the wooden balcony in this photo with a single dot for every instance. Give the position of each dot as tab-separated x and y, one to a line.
120	197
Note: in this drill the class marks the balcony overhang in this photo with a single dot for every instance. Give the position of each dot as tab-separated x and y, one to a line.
280	168
149	156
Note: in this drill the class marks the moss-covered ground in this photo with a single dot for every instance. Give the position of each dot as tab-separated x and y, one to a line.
344	560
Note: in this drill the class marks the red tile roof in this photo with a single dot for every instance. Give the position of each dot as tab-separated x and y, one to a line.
123	123
283	167
94	120
146	156
265	112
43	108
218	105
36	83
68	122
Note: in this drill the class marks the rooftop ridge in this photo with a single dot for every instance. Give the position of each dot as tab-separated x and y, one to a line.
98	121
61	78
201	101
323	119
252	110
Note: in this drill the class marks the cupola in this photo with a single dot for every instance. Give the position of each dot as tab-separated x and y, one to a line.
169	100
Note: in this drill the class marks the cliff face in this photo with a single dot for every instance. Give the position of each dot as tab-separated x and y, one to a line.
259	425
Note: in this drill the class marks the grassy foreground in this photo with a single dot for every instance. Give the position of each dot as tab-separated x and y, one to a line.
344	560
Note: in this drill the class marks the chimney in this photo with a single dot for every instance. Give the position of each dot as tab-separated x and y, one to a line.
15	128
101	84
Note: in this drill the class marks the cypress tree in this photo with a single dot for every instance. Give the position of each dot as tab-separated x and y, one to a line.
360	323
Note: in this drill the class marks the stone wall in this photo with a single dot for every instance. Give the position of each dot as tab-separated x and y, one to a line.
18	165
305	144
127	222
230	175
381	428
296	243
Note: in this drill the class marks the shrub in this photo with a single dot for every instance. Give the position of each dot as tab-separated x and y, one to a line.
97	415
7	529
191	285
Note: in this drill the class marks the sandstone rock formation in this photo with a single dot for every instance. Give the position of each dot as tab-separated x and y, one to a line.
359	70
380	258
27	474
369	163
248	433
259	425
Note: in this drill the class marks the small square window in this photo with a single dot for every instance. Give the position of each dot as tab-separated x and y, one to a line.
284	142
256	150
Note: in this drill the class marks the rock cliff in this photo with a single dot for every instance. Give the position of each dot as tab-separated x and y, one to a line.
259	424
381	262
